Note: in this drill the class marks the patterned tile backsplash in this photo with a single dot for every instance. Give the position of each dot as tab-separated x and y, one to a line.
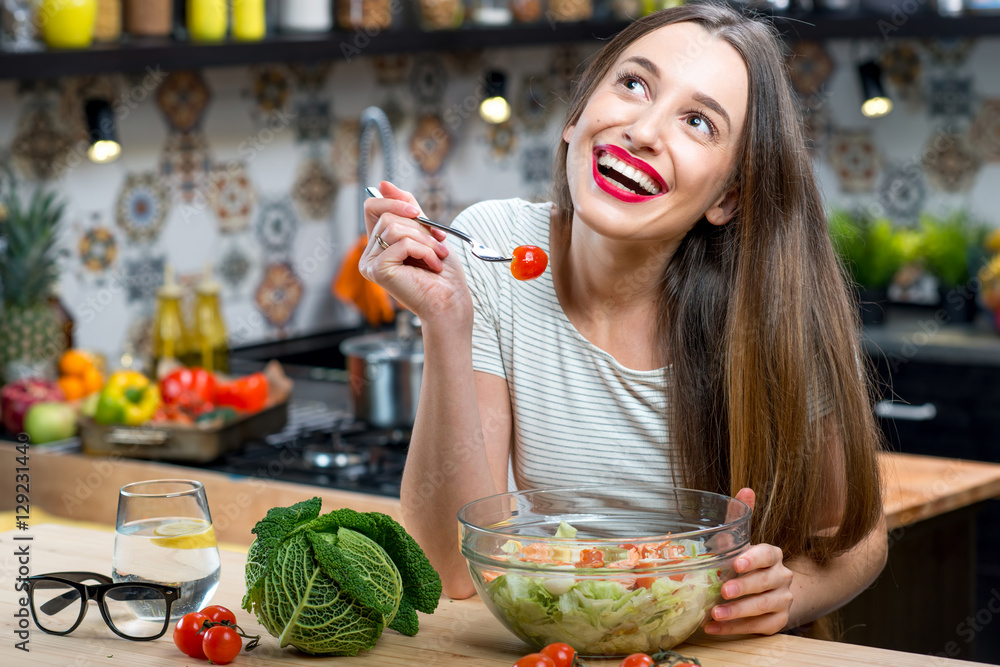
254	169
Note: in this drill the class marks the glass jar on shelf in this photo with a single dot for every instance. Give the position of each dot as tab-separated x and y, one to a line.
491	13
364	14
305	16
566	11
441	14
249	20
527	11
149	18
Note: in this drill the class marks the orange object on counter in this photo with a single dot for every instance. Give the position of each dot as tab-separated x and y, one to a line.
350	286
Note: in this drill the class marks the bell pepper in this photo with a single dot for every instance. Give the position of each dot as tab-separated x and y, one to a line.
248	393
188	386
128	398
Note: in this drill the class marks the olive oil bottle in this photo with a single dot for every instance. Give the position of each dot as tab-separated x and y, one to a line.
210	348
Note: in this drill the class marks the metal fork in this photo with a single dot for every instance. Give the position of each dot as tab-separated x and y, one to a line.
479	250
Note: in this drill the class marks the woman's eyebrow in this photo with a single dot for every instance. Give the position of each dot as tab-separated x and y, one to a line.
646	64
710	102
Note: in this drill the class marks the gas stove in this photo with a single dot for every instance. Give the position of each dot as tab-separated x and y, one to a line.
324	447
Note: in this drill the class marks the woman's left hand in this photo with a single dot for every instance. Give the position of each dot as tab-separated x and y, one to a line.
761	596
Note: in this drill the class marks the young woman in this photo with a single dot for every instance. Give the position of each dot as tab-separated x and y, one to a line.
693	327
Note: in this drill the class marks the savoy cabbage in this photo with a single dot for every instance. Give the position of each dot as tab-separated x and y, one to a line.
330	584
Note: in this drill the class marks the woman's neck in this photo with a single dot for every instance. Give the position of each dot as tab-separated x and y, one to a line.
609	291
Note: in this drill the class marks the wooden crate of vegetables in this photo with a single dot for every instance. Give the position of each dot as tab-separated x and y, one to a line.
190	415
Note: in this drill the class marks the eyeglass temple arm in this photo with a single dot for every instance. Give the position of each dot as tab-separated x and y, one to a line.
56	605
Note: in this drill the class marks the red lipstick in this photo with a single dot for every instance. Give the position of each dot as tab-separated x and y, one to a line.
617	192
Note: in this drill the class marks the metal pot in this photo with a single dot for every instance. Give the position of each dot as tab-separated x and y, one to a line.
384	371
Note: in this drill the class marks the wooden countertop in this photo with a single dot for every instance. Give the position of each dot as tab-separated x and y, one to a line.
84	488
460	633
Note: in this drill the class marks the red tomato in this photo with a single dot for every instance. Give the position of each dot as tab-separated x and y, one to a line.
590	558
529	262
217	614
562	654
221	644
645	582
188	634
535	660
637	660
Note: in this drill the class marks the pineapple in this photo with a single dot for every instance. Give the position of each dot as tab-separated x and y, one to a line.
31	335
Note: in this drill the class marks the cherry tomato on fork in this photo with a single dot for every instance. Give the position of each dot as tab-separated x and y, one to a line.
562	654
535	660
188	635
529	262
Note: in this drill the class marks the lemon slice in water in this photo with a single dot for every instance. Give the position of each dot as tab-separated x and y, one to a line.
184	534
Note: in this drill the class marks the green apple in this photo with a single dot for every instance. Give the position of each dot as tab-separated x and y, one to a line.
50	421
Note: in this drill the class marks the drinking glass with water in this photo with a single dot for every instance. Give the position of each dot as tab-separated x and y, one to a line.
164	535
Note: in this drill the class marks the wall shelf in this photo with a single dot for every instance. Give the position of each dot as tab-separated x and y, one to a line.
136	55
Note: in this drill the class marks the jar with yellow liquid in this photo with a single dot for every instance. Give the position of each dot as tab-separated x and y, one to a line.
207	20
67	24
249	20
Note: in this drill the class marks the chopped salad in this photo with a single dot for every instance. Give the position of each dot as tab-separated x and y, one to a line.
596	610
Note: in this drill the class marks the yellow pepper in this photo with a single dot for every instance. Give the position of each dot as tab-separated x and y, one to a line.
128	398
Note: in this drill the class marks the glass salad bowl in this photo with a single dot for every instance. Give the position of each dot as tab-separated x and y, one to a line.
608	571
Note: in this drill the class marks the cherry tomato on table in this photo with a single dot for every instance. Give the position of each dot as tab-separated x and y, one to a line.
562	654
529	262
535	660
637	660
221	644
217	614
188	635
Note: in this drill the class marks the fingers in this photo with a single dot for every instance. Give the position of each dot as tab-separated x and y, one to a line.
767	624
394	243
747	495
761	596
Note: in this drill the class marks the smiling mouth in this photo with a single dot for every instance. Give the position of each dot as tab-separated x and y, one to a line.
625	176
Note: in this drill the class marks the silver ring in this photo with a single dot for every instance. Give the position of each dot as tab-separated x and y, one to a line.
378	239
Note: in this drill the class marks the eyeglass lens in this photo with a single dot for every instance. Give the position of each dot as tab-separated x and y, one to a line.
134	610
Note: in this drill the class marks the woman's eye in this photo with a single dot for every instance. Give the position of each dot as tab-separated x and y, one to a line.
634	85
700	124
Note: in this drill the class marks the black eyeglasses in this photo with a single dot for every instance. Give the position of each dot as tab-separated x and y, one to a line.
133	610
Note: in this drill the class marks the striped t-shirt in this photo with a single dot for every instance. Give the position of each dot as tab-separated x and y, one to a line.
579	416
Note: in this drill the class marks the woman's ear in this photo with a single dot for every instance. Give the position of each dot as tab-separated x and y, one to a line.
722	211
567	133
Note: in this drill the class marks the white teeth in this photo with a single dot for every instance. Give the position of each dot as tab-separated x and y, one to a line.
628	171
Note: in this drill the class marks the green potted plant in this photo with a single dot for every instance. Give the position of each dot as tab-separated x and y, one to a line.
951	249
872	251
31	334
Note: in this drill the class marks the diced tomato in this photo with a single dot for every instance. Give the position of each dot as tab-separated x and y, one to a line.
590	558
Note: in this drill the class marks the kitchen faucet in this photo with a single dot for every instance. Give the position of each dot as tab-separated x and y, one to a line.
374	119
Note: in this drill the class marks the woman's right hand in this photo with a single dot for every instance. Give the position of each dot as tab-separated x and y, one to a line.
416	268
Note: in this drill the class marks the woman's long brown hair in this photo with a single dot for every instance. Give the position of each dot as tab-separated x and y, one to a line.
769	389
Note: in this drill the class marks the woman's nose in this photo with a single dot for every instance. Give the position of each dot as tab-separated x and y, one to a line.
647	131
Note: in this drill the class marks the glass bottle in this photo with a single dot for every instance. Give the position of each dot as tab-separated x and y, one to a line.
210	348
170	339
441	14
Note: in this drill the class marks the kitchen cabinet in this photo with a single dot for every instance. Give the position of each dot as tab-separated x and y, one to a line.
941	390
136	54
